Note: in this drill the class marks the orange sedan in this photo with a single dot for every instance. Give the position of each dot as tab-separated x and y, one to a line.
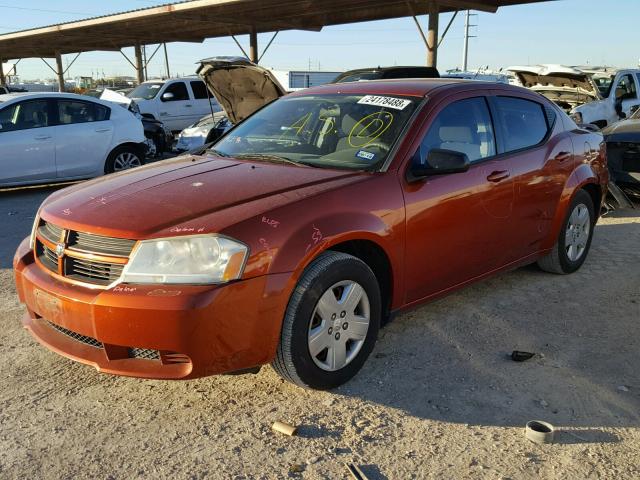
313	220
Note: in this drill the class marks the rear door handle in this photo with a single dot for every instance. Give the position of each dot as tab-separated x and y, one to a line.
42	137
100	130
563	156
498	175
188	105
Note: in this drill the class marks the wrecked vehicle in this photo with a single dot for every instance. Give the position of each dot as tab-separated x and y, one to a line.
623	154
158	138
317	216
206	130
567	87
618	92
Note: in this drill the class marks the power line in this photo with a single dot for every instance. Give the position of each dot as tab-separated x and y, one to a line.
64	12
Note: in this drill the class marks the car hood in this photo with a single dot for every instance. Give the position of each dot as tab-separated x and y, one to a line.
240	86
574	85
185	195
623	131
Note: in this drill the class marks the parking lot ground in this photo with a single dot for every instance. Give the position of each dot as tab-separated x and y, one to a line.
438	398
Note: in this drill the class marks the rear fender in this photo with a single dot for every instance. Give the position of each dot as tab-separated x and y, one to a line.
583	175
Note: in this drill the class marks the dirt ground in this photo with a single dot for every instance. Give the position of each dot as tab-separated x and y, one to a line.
438	398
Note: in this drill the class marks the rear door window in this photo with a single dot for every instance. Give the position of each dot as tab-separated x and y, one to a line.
523	123
199	90
74	111
463	126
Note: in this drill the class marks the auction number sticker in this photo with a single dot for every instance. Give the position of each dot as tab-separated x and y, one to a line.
380	101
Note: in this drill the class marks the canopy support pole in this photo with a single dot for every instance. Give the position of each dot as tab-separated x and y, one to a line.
432	35
60	71
139	63
166	59
253	45
2	79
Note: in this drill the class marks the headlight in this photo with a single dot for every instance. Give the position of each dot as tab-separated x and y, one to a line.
198	259
577	117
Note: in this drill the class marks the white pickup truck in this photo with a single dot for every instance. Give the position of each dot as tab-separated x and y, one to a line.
618	91
177	102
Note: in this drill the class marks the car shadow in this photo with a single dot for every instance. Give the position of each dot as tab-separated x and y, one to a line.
18	208
451	360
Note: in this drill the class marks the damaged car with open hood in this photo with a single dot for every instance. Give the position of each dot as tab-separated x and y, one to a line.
318	216
567	87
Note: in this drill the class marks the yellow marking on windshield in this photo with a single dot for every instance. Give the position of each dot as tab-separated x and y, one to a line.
298	125
379	124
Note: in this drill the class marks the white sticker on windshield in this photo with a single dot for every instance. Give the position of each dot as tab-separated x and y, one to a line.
380	101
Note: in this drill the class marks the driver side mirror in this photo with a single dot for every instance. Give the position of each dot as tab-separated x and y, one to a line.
439	162
167	97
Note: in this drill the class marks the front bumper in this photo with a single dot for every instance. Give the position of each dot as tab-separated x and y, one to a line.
154	331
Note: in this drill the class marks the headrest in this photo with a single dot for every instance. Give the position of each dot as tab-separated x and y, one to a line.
456	134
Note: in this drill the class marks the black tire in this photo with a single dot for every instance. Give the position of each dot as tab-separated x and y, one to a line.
293	359
558	261
110	164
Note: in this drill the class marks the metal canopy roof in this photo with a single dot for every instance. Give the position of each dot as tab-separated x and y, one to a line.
194	21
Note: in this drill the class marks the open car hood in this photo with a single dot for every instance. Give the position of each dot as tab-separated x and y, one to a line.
566	86
240	86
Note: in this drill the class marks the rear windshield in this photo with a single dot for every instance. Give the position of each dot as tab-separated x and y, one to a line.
333	131
145	91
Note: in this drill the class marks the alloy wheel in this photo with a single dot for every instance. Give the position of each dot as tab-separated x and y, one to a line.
125	161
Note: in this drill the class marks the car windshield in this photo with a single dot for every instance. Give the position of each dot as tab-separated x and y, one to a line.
334	131
146	91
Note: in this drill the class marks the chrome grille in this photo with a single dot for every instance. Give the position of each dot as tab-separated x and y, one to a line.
92	271
144	353
50	231
88	242
87	257
47	256
92	342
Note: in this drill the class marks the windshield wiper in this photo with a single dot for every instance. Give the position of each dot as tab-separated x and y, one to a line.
271	158
217	152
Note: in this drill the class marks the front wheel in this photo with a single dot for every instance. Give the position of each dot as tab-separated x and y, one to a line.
570	251
331	323
123	158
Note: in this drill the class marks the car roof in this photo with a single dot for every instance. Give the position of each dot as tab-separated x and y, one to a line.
413	87
13	97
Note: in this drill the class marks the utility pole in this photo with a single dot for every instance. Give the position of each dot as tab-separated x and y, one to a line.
465	48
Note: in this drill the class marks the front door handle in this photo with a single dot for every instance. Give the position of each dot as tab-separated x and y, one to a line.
563	156
42	137
498	175
187	105
100	130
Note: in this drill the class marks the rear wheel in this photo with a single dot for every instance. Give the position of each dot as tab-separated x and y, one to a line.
572	247
123	158
331	323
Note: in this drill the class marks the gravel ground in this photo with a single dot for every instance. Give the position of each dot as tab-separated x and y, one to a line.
439	397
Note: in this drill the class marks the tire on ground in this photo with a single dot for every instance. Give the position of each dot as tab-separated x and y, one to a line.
293	359
558	261
109	165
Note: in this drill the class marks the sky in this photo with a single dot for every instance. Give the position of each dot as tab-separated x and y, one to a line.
570	32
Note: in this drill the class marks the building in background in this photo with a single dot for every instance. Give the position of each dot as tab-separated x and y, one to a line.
298	79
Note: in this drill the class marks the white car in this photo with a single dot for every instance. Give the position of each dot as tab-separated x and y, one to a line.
49	137
619	97
178	102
